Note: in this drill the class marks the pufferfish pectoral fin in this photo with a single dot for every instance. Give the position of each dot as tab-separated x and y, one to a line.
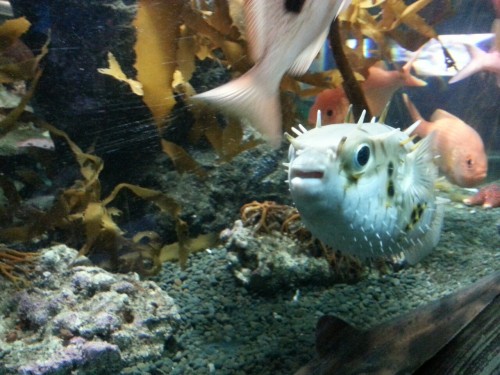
420	203
421	172
430	239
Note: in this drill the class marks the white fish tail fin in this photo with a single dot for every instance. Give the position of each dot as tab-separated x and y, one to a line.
245	98
256	28
414	113
475	64
343	6
305	59
495	29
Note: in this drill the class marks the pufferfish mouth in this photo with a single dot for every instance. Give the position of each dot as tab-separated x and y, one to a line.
306	174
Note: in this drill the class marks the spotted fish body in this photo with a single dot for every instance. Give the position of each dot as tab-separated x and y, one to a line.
366	189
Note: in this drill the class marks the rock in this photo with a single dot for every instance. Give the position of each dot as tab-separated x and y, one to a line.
91	357
82	317
271	264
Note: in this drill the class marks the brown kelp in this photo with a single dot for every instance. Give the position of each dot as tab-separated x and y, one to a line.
80	210
173	38
17	63
381	21
79	215
17	66
386	20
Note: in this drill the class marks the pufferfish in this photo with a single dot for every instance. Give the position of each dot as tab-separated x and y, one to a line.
366	189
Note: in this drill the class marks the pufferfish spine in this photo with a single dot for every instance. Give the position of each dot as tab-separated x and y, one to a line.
366	189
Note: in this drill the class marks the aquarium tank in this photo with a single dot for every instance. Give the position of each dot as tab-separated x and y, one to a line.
237	187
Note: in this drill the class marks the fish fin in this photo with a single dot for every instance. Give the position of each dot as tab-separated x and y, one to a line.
349	117
495	29
414	113
409	79
419	182
475	64
425	126
440	114
419	179
412	81
380	64
384	113
331	332
429	240
305	59
441	200
245	98
256	27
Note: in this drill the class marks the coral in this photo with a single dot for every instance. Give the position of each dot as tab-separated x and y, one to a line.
76	315
16	265
265	216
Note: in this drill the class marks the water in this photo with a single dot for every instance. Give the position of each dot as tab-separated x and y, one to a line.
147	183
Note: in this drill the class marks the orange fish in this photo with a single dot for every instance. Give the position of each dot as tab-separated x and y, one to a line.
496	5
381	84
378	88
333	104
462	158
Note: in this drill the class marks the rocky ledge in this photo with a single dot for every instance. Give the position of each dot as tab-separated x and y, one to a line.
74	315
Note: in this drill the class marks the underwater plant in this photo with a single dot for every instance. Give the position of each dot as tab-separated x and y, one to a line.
16	265
80	209
174	38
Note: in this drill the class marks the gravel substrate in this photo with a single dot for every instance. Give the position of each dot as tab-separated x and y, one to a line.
226	329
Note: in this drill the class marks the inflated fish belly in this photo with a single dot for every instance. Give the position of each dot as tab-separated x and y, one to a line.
366	189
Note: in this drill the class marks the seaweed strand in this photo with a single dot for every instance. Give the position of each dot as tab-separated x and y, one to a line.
350	83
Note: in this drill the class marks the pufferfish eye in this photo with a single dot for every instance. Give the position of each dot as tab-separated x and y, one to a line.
362	155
